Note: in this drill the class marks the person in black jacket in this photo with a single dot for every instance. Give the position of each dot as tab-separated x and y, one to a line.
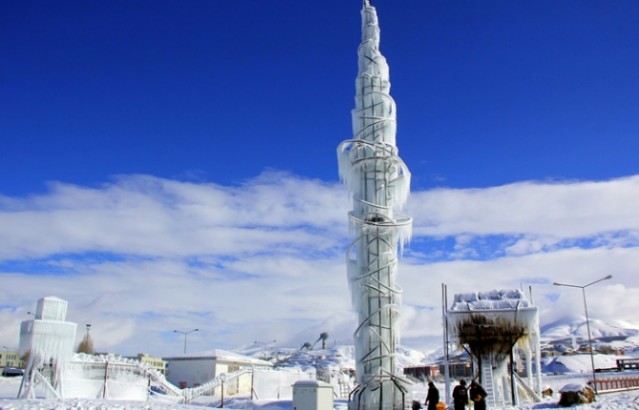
478	395
432	398
460	395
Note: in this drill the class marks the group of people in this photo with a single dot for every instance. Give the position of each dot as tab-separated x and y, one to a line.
476	392
461	396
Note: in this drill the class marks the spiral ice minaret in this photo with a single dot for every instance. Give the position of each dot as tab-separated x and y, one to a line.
380	183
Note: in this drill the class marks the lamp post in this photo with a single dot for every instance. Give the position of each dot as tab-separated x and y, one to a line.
583	292
185	335
265	354
264	344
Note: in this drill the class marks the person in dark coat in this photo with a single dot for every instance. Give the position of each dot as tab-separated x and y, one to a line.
432	398
460	395
478	395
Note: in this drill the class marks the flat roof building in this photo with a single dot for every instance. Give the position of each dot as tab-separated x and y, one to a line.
195	369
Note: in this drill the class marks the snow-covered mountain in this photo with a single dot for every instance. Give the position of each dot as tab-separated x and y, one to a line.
571	327
563	334
340	356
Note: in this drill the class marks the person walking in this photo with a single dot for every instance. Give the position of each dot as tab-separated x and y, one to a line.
432	398
478	395
460	395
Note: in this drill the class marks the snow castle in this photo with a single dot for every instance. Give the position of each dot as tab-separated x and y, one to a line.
490	325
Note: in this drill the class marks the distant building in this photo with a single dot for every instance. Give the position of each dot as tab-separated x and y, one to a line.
195	369
460	365
459	370
424	372
154	363
10	358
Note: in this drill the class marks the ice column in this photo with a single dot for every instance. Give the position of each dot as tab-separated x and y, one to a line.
380	183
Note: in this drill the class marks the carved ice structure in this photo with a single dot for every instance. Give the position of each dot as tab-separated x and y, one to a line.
114	377
490	324
48	340
53	370
379	180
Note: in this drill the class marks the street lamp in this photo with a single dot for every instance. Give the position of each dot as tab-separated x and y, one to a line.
186	334
583	291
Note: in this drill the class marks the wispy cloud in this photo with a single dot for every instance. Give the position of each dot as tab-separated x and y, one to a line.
141	256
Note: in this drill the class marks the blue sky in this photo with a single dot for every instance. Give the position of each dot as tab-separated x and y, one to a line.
167	164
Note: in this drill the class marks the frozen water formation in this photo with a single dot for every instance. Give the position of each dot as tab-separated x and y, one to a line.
48	341
379	181
490	324
53	368
53	371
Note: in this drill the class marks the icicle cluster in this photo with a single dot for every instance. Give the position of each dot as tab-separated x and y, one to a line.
505	306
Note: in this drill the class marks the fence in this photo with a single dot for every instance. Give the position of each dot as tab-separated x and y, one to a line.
612	384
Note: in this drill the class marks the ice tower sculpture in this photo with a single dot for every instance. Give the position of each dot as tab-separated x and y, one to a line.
48	340
380	182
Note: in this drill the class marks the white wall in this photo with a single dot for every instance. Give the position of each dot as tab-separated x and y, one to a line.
196	371
273	384
86	380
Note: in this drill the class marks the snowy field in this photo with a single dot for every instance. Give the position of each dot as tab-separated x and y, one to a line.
9	388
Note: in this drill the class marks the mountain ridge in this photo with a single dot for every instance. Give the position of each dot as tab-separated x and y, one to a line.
576	327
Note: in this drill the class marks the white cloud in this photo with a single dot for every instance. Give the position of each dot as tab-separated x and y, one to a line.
560	210
142	256
143	215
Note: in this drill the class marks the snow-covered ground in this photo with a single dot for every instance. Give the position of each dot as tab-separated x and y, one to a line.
575	369
9	388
